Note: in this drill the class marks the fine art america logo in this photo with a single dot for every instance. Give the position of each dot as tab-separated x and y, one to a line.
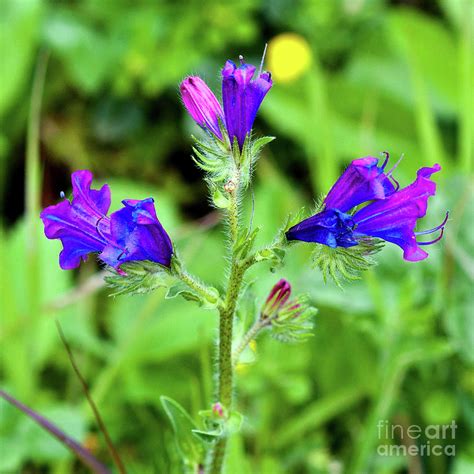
415	440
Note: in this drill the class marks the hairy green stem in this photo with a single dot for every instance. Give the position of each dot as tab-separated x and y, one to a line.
251	334
226	313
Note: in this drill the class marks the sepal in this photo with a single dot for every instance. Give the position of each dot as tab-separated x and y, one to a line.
294	322
139	278
214	158
249	155
345	263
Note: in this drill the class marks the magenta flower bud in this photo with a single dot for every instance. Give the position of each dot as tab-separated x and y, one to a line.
202	104
218	410
277	299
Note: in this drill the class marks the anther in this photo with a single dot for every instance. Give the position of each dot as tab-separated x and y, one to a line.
241	59
62	195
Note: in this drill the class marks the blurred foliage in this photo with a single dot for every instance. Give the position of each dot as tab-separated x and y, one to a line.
383	75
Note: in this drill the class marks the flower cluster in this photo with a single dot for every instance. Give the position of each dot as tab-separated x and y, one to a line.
389	214
242	95
129	234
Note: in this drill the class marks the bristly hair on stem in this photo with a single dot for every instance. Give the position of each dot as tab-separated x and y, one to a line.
113	451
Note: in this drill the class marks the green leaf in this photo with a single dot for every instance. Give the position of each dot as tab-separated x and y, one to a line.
208	437
234	422
245	242
189	446
218	198
275	255
181	289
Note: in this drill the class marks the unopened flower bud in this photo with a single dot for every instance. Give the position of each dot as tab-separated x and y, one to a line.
277	299
202	104
218	410
230	186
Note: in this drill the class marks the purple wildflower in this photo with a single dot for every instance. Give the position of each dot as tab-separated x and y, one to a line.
391	216
129	234
242	95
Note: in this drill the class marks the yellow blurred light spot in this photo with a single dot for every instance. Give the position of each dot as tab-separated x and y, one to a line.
289	56
242	368
253	345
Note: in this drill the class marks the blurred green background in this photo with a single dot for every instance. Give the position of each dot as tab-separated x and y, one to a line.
352	78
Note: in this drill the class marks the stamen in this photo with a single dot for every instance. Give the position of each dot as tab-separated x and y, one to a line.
387	156
98	230
396	164
434	229
397	184
62	195
241	59
263	59
433	241
121	255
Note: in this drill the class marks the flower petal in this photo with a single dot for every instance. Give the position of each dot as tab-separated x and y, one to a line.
330	227
81	225
394	219
363	180
137	235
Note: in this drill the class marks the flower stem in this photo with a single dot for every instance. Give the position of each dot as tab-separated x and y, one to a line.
227	312
251	334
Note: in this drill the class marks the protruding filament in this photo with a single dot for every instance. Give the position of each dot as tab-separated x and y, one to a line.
434	229
263	59
98	230
433	241
395	165
387	157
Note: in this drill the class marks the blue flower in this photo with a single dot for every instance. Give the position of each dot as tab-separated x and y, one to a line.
242	95
131	233
390	213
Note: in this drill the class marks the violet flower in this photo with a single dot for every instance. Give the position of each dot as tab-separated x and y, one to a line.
391	215
130	234
242	95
